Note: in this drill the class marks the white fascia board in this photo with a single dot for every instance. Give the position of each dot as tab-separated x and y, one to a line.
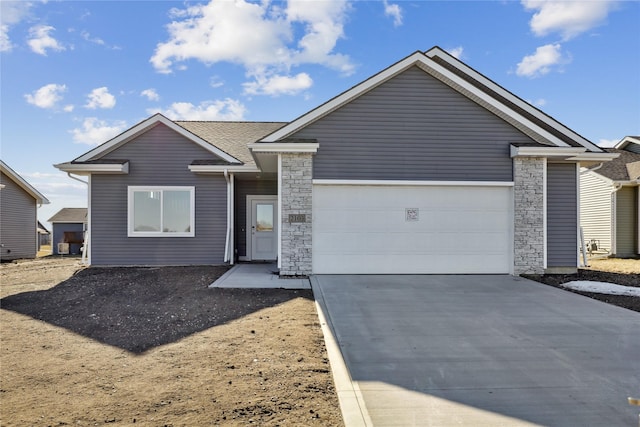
222	169
546	151
284	147
626	141
20	182
97	168
595	157
395	183
344	98
436	51
429	66
144	126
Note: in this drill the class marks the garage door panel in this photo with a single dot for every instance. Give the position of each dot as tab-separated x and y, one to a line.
364	229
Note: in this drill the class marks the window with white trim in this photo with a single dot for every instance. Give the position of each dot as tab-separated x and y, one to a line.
161	211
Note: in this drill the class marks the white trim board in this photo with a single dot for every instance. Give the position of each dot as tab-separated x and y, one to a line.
145	125
412	183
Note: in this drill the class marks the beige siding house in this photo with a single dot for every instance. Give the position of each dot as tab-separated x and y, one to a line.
610	201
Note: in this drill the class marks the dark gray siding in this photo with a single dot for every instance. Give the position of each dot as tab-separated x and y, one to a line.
242	189
157	157
562	221
626	222
17	221
413	127
634	148
58	236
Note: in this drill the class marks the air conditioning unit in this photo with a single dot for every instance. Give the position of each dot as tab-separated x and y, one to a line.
63	249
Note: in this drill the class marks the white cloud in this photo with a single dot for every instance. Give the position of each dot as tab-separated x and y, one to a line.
569	18
100	98
278	85
542	61
608	143
456	52
394	11
68	108
47	96
258	36
11	13
40	40
94	131
216	82
227	109
150	94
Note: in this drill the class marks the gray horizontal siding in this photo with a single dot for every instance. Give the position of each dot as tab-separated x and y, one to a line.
17	221
159	157
634	148
626	222
595	210
562	215
243	188
413	127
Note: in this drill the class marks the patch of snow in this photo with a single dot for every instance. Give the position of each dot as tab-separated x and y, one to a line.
602	288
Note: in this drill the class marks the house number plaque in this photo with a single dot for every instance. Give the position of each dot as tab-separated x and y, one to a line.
412	214
297	218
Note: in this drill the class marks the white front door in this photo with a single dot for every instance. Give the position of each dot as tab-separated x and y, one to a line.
263	227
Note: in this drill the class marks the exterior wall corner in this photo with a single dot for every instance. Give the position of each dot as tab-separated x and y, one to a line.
529	215
295	216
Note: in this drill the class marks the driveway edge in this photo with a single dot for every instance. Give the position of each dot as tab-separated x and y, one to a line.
352	406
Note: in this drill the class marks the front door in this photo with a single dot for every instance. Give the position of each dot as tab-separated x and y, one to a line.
264	228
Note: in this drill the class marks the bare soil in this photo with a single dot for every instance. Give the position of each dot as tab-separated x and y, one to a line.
624	272
157	347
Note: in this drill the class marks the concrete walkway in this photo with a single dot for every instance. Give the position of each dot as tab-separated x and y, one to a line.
259	275
478	351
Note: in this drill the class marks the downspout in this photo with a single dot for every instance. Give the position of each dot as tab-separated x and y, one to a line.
614	217
228	250
593	169
87	235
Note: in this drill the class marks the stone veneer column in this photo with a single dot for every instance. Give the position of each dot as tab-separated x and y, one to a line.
295	194
529	176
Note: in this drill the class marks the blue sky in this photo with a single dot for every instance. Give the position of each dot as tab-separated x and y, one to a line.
74	74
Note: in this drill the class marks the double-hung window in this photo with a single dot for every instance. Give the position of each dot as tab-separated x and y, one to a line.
161	211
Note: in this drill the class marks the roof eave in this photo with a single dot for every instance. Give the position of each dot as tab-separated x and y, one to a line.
223	169
94	168
22	183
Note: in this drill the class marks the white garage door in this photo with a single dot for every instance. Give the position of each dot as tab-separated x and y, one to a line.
412	229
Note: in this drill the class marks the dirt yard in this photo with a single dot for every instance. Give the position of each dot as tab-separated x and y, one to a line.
156	347
624	272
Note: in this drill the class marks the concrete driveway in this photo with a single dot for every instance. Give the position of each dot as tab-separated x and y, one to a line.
482	351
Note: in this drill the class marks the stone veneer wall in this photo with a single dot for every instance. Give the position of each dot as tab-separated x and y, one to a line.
296	194
529	177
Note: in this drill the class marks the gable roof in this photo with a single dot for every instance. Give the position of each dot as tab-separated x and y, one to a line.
144	126
70	215
436	62
628	141
624	168
13	175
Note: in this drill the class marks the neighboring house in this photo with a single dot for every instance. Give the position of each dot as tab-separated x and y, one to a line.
610	202
19	203
426	167
68	226
44	236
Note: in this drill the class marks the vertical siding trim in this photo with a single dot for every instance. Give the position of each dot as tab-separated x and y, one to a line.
582	246
280	210
88	243
544	213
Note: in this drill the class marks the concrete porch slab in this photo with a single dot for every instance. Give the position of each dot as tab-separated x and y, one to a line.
263	276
